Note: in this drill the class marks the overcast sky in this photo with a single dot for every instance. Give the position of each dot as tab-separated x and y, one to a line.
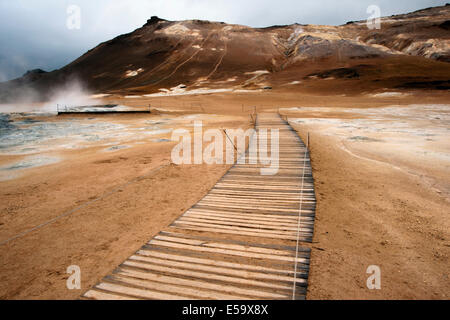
34	33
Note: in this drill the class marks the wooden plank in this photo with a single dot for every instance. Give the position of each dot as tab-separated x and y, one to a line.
288	211
206	275
259	229
238	266
200	217
100	295
228	252
206	238
252	217
140	293
215	269
211	204
263	192
173	288
225	223
245	233
264	217
256	294
305	211
259	199
242	186
229	246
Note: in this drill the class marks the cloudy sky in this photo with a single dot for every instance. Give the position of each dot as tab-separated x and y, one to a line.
34	34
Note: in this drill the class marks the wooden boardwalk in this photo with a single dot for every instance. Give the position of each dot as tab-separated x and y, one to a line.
241	241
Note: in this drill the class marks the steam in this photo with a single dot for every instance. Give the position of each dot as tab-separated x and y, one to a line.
71	93
3	76
295	35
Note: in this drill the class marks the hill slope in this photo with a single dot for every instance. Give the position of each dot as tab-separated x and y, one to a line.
409	51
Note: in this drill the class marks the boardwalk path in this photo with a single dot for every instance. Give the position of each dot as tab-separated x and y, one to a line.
241	241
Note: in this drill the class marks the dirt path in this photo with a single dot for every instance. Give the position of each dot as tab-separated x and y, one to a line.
185	61
219	62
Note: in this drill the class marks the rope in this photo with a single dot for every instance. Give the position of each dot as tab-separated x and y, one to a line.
298	224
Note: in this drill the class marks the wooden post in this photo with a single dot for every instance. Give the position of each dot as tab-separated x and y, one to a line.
308	141
232	142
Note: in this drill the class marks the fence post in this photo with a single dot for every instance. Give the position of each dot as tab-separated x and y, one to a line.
232	142
308	142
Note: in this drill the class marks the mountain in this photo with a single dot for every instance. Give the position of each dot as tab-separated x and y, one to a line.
409	51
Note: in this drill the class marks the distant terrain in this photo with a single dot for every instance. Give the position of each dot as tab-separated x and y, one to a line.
410	51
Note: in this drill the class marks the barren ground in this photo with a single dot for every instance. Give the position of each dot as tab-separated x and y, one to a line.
380	201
